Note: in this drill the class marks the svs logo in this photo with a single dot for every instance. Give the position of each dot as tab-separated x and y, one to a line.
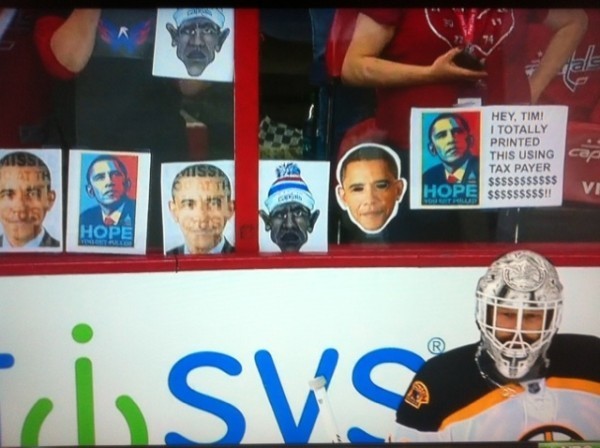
292	431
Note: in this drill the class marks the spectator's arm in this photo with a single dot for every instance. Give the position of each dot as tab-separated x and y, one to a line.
363	65
569	26
65	45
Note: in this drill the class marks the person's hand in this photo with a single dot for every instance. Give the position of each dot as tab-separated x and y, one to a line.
192	87
445	69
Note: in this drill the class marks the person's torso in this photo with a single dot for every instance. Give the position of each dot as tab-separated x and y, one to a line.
24	85
453	400
538	410
423	34
119	103
578	82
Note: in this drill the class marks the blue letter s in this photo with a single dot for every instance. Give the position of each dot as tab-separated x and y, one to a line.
291	432
361	378
236	425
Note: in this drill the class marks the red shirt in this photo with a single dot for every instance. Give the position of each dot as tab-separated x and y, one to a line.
24	86
578	83
424	34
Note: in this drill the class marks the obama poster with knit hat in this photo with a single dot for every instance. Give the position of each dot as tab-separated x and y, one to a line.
293	206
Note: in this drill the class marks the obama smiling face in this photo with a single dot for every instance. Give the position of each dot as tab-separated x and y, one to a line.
369	186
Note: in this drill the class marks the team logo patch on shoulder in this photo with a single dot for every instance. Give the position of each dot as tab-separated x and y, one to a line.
417	395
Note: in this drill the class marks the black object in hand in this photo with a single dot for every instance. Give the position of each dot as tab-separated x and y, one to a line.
466	60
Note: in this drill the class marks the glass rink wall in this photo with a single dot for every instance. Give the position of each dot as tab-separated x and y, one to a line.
299	226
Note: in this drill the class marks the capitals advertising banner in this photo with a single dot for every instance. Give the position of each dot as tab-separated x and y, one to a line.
230	356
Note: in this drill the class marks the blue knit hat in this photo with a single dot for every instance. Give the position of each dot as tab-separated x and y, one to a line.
289	187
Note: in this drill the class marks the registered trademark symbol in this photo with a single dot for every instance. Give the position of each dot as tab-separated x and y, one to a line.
436	346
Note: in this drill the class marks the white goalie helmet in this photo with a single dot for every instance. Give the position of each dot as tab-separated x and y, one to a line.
524	286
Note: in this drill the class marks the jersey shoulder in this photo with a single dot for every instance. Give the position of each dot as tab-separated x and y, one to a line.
574	356
437	390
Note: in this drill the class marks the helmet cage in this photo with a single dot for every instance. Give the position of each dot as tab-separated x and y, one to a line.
515	356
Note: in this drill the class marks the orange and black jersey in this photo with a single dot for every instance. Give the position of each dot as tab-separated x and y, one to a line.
450	398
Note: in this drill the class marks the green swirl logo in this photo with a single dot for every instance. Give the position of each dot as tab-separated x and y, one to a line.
86	430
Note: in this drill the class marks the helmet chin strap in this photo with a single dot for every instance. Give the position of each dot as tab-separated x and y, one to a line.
538	369
487	368
491	374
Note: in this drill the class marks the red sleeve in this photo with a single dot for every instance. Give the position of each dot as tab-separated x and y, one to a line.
44	30
384	16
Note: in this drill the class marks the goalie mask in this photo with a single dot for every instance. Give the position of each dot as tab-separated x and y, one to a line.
519	305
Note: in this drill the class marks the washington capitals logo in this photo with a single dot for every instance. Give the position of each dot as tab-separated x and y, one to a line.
125	40
577	70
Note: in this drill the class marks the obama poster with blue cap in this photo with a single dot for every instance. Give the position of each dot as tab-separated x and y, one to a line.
194	43
292	197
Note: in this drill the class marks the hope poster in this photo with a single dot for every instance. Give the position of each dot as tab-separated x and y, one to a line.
487	157
108	202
